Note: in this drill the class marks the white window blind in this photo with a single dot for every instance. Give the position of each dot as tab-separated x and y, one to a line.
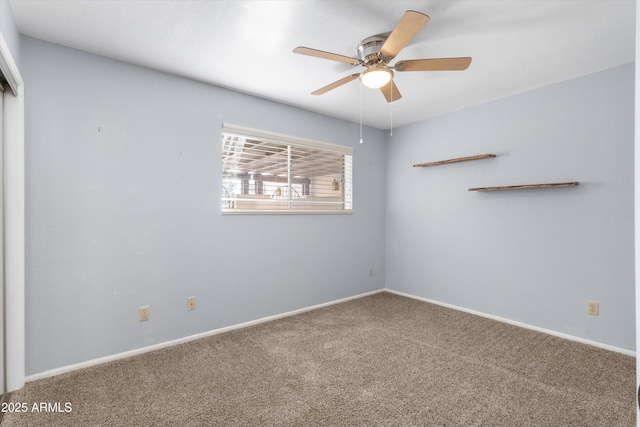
264	172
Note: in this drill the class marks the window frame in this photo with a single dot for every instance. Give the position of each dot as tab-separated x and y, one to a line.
311	205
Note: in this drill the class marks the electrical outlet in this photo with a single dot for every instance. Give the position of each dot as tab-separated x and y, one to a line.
593	308
371	272
191	303
143	313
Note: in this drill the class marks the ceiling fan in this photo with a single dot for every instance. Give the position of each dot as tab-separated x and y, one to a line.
377	51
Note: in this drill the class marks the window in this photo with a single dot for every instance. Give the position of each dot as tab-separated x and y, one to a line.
264	172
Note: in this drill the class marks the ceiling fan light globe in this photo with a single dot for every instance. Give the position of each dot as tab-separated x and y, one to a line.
375	78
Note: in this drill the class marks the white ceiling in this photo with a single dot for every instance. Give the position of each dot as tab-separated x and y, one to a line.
516	45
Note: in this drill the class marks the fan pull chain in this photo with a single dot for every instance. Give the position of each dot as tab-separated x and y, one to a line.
361	141
391	112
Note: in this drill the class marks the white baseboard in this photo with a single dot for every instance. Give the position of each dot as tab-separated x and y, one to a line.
101	360
520	324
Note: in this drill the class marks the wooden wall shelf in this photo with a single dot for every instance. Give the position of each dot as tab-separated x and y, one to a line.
523	187
457	160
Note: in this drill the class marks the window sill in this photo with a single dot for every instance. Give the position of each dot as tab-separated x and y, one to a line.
287	212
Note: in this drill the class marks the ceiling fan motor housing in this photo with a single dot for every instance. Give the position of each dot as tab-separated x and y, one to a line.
369	48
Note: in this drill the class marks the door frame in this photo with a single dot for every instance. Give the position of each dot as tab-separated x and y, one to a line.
637	210
14	221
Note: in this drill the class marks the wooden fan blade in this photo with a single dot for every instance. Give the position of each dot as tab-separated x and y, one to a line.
391	92
409	25
435	64
326	55
335	84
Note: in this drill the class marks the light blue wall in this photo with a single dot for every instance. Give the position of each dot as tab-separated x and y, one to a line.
534	256
122	210
123	187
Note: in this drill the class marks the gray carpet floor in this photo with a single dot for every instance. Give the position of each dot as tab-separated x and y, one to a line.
382	360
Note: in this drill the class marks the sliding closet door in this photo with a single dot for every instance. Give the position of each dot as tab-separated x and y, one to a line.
637	208
12	308
3	365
